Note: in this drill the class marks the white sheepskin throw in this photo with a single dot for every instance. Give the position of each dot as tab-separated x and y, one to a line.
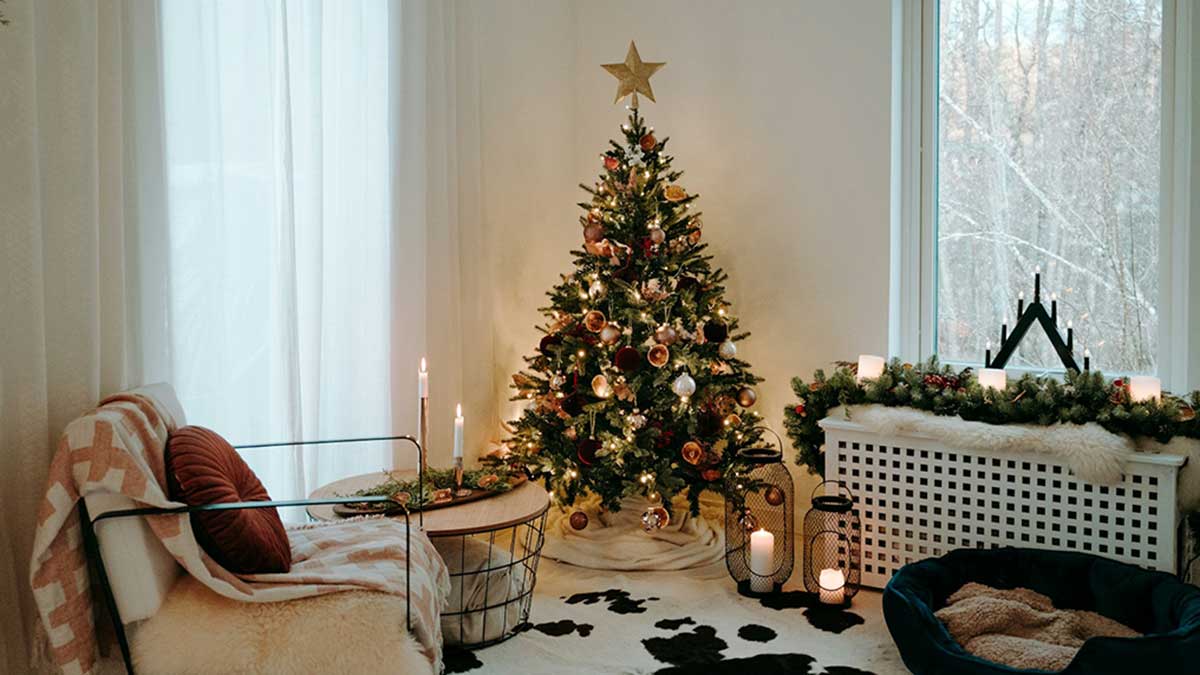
1094	454
199	632
616	541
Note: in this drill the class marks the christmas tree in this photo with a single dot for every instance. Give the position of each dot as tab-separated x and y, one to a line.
636	387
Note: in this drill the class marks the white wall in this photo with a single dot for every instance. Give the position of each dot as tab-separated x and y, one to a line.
779	113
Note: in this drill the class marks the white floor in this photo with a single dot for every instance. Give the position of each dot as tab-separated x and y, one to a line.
704	626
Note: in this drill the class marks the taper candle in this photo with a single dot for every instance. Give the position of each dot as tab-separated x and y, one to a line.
458	431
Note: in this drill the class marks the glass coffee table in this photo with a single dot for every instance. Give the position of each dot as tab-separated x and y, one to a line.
492	547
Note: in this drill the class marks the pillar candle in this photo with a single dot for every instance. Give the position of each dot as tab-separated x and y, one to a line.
833	587
458	432
869	367
1145	388
993	378
762	561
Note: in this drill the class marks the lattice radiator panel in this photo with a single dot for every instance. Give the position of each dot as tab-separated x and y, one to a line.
918	498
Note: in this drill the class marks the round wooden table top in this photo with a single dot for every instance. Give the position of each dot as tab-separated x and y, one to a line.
519	505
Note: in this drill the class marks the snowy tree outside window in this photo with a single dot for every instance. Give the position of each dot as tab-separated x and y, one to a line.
1049	133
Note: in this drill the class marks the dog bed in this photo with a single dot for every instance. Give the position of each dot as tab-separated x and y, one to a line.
1163	609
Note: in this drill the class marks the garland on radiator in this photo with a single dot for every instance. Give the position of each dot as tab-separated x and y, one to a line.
1079	398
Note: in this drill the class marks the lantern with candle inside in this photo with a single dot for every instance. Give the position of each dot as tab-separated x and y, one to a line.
760	531
832	557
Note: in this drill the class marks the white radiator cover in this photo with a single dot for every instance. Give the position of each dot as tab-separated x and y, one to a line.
919	498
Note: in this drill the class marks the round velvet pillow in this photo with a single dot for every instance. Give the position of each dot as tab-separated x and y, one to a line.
203	468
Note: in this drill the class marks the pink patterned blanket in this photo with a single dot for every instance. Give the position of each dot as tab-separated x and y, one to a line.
118	448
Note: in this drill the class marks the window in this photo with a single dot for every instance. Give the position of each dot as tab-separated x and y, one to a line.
1039	138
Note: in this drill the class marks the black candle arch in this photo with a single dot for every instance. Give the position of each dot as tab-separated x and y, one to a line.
1026	317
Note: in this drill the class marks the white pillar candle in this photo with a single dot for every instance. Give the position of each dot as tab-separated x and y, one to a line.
762	561
870	367
1145	388
423	381
458	432
993	378
833	587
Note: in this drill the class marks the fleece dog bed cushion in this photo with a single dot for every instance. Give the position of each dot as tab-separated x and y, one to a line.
203	468
1165	610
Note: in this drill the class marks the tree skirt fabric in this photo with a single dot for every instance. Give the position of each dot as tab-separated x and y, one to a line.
587	622
616	540
1093	453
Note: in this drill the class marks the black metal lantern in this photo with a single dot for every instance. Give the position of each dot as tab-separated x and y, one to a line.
832	557
760	533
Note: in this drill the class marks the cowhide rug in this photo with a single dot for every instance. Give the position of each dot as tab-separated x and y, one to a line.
693	621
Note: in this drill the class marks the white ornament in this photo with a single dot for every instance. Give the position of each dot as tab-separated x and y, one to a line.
684	386
727	350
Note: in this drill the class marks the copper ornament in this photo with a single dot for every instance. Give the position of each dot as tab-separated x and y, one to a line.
773	495
665	335
746	397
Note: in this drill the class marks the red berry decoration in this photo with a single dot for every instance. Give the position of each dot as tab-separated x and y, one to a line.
587	448
579	520
627	359
715	331
648	142
611	163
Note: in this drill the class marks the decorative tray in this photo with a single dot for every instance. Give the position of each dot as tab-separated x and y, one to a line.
435	497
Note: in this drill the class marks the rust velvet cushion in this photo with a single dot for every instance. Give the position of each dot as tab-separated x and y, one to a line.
203	468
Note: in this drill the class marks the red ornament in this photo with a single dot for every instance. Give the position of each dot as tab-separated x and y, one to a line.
579	520
586	449
548	344
799	410
648	142
627	359
611	163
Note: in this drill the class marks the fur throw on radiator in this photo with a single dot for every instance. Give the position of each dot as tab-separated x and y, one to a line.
1093	453
337	633
1022	629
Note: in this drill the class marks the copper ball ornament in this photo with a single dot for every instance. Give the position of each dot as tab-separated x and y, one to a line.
647	142
611	163
586	450
594	320
693	237
692	452
727	350
666	335
658	356
733	421
746	397
593	232
715	331
578	520
773	495
655	518
610	334
627	359
675	193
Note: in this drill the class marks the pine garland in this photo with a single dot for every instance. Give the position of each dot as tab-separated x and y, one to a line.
1079	398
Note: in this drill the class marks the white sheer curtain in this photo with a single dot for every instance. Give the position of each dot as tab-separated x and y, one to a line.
81	284
316	226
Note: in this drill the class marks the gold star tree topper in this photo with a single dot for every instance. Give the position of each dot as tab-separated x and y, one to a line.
633	76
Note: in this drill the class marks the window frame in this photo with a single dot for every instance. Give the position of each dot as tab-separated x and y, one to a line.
913	293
